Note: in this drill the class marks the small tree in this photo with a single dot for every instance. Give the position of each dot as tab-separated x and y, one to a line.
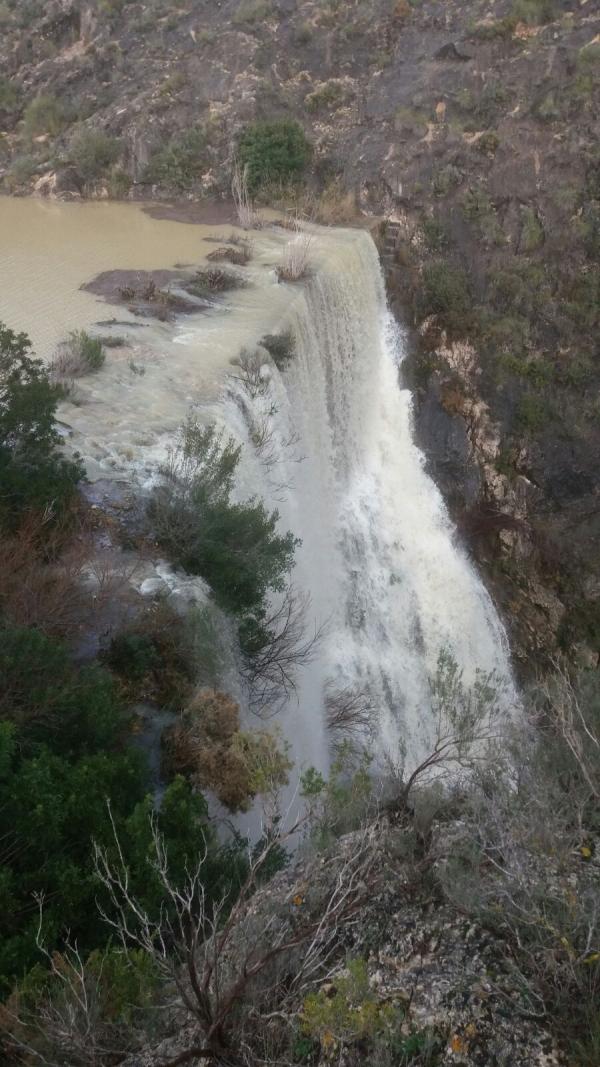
34	475
236	547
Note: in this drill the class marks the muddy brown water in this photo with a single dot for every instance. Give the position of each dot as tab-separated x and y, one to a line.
123	418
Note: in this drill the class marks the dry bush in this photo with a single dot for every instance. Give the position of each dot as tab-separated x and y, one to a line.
208	745
54	579
250	373
240	254
336	206
284	646
237	972
80	354
348	712
248	217
294	263
524	858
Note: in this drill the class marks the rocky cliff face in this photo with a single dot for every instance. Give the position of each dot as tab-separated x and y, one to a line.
471	127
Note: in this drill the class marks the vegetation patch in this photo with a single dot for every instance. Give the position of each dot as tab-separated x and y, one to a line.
329	96
180	162
80	354
93	153
34	473
271	152
280	346
209	745
210	280
234	546
45	114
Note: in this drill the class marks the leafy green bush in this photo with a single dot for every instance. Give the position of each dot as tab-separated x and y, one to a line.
62	757
446	179
533	413
446	293
34	475
179	162
44	114
93	153
160	656
75	711
280	346
273	152
352	1012
235	547
90	349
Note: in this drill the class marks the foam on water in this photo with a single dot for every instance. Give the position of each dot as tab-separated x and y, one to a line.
379	555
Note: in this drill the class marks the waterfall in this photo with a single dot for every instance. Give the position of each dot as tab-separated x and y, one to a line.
379	555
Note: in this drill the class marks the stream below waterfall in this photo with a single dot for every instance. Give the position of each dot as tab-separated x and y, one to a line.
385	580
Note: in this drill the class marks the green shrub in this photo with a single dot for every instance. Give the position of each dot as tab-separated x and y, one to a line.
303	33
179	163
22	170
352	1012
436	235
533	413
445	179
89	348
280	346
446	293
478	207
160	656
93	153
44	114
273	152
49	701
251	11
234	546
34	475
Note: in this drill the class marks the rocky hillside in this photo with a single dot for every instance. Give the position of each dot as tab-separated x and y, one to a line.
471	127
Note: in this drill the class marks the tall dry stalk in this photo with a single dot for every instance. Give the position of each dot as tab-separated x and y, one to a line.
295	259
248	217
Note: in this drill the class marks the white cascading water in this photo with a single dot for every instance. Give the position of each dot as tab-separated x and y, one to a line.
379	555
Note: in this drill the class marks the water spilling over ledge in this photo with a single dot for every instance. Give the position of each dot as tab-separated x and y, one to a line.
327	441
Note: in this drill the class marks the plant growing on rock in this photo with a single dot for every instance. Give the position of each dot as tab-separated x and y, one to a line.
273	152
80	354
44	114
294	263
93	152
280	346
179	162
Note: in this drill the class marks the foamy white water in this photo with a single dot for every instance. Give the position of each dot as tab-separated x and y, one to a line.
379	555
